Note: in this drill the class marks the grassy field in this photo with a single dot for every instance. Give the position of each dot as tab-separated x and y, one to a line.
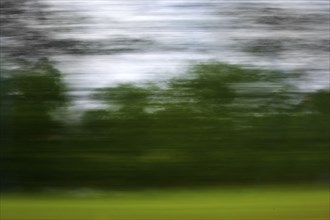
260	203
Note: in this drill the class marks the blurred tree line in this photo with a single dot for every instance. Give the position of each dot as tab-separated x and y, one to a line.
216	124
27	32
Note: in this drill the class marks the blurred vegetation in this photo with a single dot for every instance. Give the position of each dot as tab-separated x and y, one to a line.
29	97
217	124
28	30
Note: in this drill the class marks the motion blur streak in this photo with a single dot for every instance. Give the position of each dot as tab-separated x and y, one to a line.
164	109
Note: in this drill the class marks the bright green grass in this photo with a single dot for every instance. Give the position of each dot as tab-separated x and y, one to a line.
260	203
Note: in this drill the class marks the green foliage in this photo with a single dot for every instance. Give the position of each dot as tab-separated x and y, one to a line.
34	92
129	98
39	84
31	95
319	101
216	124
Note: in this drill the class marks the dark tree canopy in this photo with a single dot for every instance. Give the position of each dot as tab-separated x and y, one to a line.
217	124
